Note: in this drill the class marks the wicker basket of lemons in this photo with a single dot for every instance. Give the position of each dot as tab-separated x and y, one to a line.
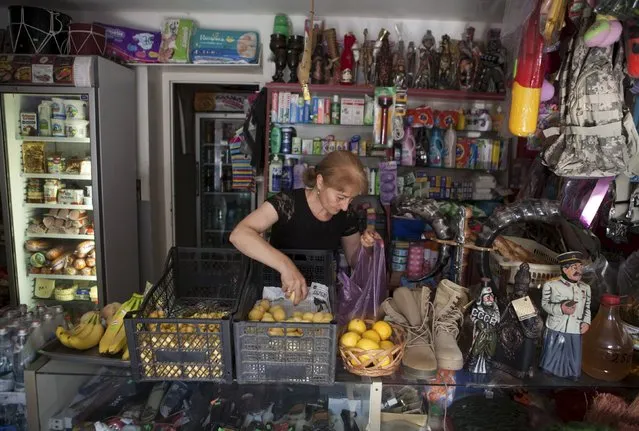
372	348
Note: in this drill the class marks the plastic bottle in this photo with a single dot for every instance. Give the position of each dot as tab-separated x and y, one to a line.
498	120
287	175
275	176
409	148
450	147
36	337
58	316
48	326
436	147
607	348
276	140
335	110
298	176
6	361
21	355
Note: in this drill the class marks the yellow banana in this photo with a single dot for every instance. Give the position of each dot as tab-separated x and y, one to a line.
117	322
118	342
125	356
64	335
92	338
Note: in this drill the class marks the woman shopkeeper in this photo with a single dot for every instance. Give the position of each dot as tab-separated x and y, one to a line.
317	217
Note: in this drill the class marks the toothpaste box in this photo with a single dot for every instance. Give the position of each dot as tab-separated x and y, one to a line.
225	46
176	40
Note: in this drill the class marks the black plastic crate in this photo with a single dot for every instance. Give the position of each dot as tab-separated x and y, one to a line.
189	341
261	356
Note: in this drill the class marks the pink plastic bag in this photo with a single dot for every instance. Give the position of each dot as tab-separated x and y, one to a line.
363	292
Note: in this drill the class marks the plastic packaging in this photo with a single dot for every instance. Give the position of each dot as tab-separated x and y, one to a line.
529	76
450	150
607	348
363	292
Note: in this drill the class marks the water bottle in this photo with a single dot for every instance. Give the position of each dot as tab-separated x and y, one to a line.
23	309
21	357
58	316
6	361
36	336
48	326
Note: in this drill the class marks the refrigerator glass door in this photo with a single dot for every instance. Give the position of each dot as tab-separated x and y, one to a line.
221	206
47	158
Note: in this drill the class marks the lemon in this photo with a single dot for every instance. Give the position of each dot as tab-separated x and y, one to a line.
371	335
349	339
385	362
366	344
386	345
264	304
256	314
357	325
279	314
383	329
275	307
308	317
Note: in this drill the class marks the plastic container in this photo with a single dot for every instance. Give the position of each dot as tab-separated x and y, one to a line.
76	128
57	109
309	358
177	345
539	272
75	109
607	348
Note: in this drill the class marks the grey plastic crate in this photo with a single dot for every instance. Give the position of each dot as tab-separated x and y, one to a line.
180	346
264	358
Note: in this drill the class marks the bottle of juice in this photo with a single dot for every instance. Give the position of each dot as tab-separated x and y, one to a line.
607	348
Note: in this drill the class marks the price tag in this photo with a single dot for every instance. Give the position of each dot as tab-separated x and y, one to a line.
524	308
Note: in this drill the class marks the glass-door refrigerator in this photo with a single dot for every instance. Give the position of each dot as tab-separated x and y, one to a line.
69	187
219	204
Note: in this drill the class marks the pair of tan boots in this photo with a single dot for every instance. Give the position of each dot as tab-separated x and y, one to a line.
432	327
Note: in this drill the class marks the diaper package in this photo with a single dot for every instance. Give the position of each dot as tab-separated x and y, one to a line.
225	47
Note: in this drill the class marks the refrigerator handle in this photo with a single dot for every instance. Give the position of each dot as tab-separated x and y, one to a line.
197	179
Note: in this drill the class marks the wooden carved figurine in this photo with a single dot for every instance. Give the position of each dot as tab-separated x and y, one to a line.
318	64
367	59
467	64
385	61
332	50
356	58
410	64
426	71
490	74
446	64
399	66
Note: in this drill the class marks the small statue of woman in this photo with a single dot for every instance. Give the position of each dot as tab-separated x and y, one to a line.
426	71
446	73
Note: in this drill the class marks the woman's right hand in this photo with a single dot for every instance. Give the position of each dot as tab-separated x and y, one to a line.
293	282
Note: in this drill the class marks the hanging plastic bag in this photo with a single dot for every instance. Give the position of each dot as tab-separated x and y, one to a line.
363	292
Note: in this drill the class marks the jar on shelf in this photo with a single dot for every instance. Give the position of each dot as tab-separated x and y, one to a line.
56	164
51	188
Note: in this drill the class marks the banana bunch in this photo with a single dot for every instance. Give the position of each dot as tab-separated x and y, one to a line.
114	339
84	336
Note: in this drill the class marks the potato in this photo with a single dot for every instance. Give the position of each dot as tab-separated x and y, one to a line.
308	317
256	314
264	304
318	317
298	314
279	315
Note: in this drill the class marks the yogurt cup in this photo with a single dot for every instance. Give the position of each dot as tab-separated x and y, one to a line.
57	109
57	127
76	128
75	109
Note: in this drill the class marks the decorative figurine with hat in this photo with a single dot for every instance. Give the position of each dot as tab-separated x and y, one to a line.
485	317
566	299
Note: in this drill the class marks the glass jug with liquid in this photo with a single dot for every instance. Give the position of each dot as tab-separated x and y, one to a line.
607	348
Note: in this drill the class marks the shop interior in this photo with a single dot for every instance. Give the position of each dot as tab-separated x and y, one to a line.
498	140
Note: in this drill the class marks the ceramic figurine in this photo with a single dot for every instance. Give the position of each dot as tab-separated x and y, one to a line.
347	63
318	63
490	74
411	58
566	299
466	68
445	72
485	318
519	330
426	71
367	59
399	66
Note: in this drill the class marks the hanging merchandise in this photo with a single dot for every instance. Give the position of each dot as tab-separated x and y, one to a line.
603	32
593	139
528	79
384	113
620	9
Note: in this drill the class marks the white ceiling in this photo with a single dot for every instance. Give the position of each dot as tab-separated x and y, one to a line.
490	11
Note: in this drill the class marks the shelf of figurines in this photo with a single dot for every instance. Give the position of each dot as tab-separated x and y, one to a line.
417	93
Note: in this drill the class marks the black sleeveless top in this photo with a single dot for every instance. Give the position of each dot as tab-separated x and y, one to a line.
298	228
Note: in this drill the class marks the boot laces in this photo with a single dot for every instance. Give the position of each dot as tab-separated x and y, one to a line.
449	319
421	334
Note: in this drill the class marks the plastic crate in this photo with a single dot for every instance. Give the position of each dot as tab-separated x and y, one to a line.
181	345
309	358
539	272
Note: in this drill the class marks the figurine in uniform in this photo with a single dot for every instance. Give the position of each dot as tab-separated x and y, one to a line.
566	299
485	318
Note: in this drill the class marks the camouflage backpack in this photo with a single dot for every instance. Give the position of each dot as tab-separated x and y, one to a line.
595	137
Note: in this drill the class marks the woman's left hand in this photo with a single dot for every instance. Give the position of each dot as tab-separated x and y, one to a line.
368	238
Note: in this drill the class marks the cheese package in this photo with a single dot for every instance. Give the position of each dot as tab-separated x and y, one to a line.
225	46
